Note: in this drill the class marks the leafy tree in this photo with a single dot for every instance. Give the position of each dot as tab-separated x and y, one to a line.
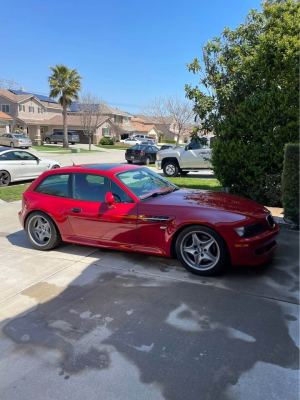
248	96
66	83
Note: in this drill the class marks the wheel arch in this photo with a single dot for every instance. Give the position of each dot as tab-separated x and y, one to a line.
48	215
177	233
167	159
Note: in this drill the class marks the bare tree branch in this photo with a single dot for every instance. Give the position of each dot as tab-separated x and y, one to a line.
175	113
8	84
90	110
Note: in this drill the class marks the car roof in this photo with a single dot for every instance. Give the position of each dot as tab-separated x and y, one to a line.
112	168
2	149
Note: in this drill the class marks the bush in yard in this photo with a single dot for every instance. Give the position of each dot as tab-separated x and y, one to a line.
251	99
185	140
106	141
290	182
169	141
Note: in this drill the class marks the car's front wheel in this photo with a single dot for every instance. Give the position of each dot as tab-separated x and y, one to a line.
129	161
55	166
47	140
201	250
12	145
41	231
170	169
4	178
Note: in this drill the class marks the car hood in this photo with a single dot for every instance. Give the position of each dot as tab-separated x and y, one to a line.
211	200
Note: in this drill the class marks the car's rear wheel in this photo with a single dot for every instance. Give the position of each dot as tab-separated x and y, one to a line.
73	143
12	145
4	178
47	140
41	231
170	169
201	250
147	161
129	161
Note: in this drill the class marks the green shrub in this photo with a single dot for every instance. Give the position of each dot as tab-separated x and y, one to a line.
185	140
117	140
290	182
169	141
106	141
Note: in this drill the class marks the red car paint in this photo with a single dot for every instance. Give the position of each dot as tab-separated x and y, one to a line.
126	226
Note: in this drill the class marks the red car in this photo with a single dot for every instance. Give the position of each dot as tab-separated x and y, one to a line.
130	208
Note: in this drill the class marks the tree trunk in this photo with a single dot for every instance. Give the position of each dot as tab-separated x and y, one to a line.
65	138
90	142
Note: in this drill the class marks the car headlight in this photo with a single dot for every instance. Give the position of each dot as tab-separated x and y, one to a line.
158	156
250	230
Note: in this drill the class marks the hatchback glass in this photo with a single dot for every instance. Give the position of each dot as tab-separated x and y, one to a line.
18	136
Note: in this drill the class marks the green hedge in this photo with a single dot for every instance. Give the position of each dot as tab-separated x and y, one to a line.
290	182
106	141
169	141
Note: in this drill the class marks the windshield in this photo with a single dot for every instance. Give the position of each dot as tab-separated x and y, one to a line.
19	136
145	183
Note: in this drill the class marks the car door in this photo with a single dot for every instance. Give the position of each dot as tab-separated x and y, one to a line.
92	218
56	136
3	140
9	163
192	157
30	166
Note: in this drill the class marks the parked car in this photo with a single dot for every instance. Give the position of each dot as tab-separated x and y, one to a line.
20	165
15	140
59	135
130	208
143	153
182	160
145	137
167	146
130	141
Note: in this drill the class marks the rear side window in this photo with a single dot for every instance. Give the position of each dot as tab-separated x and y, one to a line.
57	185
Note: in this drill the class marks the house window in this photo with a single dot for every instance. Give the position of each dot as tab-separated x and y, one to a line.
115	118
105	132
45	110
40	110
5	108
31	109
21	107
126	120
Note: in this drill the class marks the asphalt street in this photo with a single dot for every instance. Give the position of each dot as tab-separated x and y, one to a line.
80	322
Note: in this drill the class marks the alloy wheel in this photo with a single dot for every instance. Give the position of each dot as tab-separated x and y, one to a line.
200	250
39	230
4	178
170	169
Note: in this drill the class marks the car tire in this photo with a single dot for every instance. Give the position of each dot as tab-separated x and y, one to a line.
47	140
129	161
55	166
170	169
5	178
55	142
201	250
147	161
41	231
12	145
73	143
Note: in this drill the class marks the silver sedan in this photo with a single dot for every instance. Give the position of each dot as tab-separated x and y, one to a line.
19	165
15	140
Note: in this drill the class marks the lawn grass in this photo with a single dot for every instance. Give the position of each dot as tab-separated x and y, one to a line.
108	146
195	183
13	193
60	150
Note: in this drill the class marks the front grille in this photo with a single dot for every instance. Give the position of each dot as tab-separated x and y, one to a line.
271	220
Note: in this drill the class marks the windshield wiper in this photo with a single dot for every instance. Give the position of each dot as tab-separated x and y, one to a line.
155	194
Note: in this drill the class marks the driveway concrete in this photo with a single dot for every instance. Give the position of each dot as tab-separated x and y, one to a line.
80	322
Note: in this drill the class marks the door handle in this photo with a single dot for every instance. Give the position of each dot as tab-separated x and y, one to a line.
22	163
76	210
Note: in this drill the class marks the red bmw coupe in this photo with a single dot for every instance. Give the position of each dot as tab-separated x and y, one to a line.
130	208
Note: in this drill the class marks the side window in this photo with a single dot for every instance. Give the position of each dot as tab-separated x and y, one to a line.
55	185
119	194
90	187
195	146
23	155
7	156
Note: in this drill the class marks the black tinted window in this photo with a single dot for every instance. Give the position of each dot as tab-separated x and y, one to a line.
90	187
55	185
195	146
119	194
7	156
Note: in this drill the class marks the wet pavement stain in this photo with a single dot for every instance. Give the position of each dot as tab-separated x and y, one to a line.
219	334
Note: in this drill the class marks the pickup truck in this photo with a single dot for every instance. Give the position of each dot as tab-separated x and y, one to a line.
182	160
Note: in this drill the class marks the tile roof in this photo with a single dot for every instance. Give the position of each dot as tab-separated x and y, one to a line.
73	120
14	97
52	105
4	116
142	127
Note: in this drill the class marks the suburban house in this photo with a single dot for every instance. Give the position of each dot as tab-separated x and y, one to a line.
146	129
166	129
5	121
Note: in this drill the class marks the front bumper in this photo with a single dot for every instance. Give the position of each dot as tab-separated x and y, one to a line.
253	250
158	164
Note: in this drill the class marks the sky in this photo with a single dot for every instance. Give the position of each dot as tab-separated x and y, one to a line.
127	52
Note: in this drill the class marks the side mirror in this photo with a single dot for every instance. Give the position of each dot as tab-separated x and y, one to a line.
109	199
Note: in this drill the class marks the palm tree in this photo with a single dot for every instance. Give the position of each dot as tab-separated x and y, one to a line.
66	83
